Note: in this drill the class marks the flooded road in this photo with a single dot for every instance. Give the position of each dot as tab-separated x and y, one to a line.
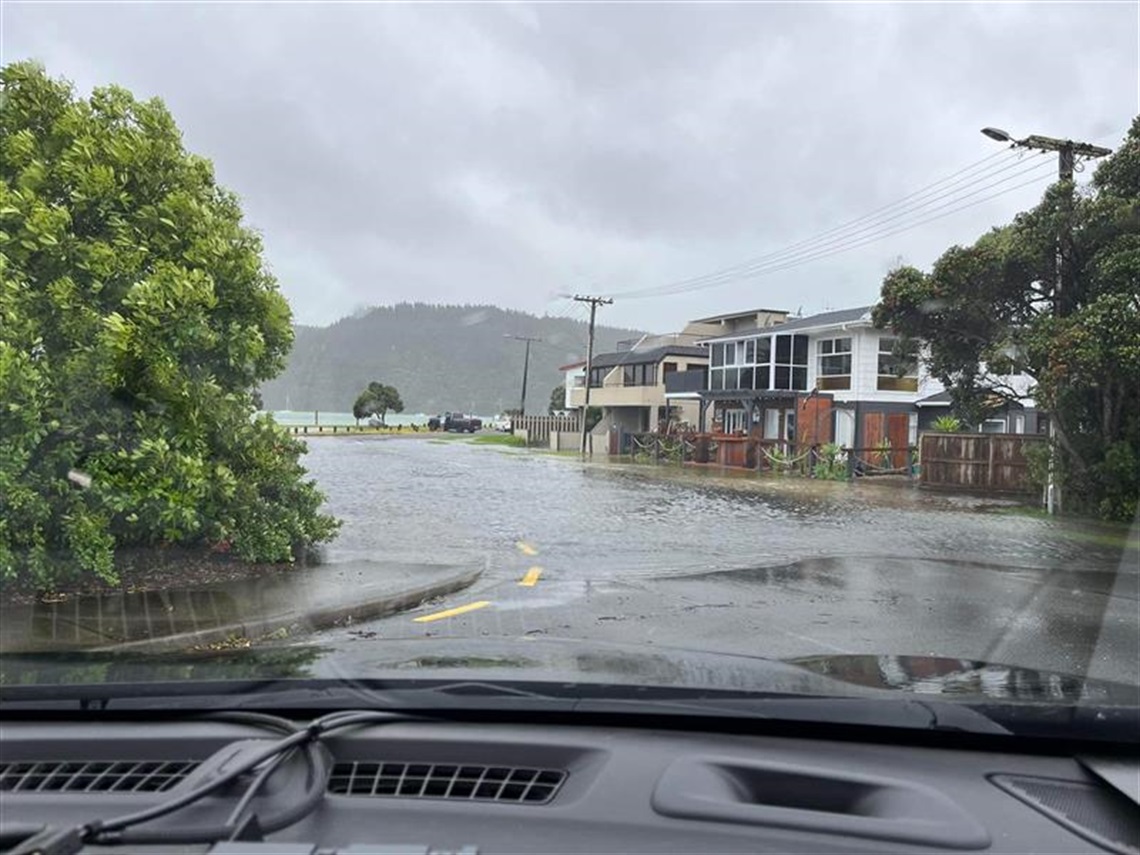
780	567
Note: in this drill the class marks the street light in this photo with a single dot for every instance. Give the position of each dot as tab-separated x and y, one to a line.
1067	152
997	134
526	367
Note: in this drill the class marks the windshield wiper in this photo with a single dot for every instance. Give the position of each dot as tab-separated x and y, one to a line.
443	697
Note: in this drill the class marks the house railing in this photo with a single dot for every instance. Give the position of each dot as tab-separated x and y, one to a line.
678	382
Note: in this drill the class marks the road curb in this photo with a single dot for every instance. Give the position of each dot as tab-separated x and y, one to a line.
287	624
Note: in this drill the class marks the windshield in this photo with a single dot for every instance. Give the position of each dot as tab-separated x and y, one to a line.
775	350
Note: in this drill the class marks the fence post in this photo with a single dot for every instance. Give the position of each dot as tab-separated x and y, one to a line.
850	463
990	463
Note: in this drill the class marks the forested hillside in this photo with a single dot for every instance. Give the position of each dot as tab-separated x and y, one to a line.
438	357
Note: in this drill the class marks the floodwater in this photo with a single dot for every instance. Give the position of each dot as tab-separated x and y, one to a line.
451	501
725	562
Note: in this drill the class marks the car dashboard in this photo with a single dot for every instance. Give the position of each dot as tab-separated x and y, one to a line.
430	786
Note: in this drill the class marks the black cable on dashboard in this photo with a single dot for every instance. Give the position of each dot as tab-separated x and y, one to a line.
119	831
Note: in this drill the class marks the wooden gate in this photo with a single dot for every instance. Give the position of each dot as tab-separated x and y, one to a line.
813	421
981	462
888	427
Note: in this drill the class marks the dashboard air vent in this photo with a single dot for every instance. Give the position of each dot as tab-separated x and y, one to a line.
439	781
1094	812
101	776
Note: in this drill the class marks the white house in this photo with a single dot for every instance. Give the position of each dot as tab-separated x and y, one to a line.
831	377
575	378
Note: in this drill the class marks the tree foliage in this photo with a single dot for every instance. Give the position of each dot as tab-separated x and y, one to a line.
991	307
557	399
136	321
376	400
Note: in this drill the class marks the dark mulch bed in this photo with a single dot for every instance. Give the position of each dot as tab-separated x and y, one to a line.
150	570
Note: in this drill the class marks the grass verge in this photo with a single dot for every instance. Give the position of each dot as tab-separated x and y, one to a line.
507	439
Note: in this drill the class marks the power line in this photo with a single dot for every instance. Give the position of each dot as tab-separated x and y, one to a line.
948	180
781	259
877	237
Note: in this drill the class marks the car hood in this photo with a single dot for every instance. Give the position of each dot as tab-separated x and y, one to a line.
578	663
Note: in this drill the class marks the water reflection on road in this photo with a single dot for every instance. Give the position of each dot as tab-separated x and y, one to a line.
418	500
779	568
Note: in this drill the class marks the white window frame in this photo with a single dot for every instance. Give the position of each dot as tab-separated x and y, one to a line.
820	356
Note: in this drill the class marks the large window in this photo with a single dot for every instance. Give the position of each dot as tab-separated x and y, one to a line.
897	372
790	367
748	364
834	363
641	374
597	375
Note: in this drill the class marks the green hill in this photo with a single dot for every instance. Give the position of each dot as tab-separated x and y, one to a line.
439	357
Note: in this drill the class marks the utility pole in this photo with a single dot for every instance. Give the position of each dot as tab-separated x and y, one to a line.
526	367
1067	153
594	303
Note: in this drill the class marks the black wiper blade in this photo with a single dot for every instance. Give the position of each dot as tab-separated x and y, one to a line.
459	696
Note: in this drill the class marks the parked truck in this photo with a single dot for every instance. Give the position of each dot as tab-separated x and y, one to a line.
455	423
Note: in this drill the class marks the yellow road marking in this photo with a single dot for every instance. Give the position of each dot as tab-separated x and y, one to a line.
526	548
531	577
458	610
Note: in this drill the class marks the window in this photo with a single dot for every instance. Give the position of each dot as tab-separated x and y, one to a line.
897	373
641	374
717	355
763	363
597	375
834	363
735	421
791	363
668	367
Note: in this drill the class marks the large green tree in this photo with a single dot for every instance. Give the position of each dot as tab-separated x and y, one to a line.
136	320
376	400
991	309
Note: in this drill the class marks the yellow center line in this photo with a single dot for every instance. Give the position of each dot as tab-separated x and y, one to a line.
526	548
531	577
458	610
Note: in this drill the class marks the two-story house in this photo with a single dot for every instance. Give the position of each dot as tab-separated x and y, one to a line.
629	386
831	377
629	383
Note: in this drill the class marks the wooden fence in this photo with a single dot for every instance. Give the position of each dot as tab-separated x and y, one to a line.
982	462
770	455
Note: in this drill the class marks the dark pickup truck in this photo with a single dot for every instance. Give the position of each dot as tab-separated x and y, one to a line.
455	422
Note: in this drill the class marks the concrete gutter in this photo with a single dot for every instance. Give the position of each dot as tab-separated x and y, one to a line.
237	612
300	621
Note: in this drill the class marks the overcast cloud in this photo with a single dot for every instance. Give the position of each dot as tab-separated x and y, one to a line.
509	153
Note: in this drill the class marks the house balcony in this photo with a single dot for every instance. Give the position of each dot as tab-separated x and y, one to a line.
619	396
688	383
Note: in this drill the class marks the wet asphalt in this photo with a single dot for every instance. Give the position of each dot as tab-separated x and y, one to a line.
729	562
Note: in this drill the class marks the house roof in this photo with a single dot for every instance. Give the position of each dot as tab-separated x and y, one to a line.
578	364
712	319
653	354
942	399
939	399
824	319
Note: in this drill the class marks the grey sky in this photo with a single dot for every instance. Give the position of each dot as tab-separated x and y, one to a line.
509	153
